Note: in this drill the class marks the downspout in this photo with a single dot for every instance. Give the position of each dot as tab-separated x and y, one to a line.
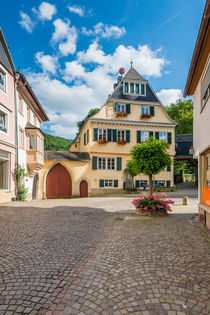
16	127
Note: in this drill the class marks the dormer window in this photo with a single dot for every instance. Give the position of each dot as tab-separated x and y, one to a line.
134	88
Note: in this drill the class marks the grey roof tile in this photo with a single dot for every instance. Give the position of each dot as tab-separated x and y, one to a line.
67	156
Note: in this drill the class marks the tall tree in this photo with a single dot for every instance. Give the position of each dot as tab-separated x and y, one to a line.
182	113
150	158
91	112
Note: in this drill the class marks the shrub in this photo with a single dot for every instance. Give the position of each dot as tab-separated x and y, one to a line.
21	190
152	204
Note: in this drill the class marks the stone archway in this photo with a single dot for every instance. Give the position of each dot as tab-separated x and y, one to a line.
58	182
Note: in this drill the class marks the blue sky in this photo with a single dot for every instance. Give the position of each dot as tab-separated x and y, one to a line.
71	51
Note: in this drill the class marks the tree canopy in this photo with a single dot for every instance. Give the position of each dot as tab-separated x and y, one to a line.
91	112
182	113
53	143
150	158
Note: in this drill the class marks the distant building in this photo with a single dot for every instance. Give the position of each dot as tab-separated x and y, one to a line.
97	161
198	85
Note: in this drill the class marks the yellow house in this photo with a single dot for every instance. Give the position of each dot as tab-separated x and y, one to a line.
97	161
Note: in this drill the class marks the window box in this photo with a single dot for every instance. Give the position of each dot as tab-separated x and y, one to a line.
122	141
146	116
177	149
102	141
121	114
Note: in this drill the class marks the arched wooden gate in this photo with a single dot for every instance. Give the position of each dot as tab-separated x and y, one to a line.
58	184
83	189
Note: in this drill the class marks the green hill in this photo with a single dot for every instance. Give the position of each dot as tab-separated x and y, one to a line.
54	143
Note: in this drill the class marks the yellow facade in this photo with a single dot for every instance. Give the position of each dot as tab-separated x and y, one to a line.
108	161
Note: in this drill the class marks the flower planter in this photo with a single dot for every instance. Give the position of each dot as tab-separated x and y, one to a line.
102	141
177	149
145	116
121	114
122	141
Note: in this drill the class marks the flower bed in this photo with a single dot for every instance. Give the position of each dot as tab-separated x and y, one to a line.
122	141
144	116
121	114
152	204
102	141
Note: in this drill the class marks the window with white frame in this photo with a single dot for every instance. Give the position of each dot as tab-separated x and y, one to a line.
144	110
134	88
143	183
163	136
21	138
101	163
101	134
4	170
2	80
28	114
111	163
108	183
119	107
121	135
144	136
20	104
31	142
106	163
3	121
161	183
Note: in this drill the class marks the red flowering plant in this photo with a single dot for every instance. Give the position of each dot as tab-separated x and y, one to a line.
102	141
143	116
152	204
177	149
122	141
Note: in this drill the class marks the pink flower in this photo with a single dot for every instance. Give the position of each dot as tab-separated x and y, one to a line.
153	208
171	201
164	195
157	199
159	206
145	208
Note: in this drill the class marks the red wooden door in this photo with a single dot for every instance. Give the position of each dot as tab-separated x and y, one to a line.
58	182
83	189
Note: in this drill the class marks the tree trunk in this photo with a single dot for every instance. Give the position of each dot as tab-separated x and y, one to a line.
150	184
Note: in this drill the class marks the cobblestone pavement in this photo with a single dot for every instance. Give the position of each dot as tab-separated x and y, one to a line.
73	260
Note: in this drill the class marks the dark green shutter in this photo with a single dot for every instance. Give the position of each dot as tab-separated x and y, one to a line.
115	183
94	162
128	108
95	134
151	134
152	111
138	136
101	183
119	163
84	138
128	135
156	183
169	137
115	107
168	183
114	135
157	135
142	89
109	135
169	168
137	183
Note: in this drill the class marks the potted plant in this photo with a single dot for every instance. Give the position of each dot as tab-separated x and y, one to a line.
122	141
121	113
177	149
146	116
102	141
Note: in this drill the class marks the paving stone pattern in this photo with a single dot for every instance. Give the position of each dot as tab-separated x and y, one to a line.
69	260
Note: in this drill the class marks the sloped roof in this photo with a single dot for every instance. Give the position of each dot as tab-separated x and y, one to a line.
132	74
67	156
5	57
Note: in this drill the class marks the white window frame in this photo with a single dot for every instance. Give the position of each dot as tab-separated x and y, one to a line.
120	132
143	181
105	164
163	137
109	181
163	181
28	114
145	109
5	80
6	113
103	131
5	159
144	136
134	93
29	135
21	132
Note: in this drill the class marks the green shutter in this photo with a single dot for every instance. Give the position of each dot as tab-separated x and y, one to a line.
137	183
128	135
88	136
138	136
126	87
114	135
115	183
119	163
84	138
95	134
157	135
168	183
128	108
169	137
151	134
142	89
115	107
137	88
152	110
94	162
109	135
132	88
156	183
101	183
169	168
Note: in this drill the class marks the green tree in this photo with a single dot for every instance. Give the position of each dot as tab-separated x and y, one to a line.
21	190
182	113
131	170
53	143
150	158
91	113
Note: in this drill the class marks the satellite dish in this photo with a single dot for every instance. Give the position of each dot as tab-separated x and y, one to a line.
121	71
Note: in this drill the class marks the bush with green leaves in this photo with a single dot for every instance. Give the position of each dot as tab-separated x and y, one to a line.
21	190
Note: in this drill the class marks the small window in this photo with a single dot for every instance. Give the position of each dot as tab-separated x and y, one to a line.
101	134
28	114
121	135
163	136
161	183
144	110
21	138
4	170
144	136
3	121
2	80
31	142
101	163
143	183
20	105
110	163
119	108
126	87
108	183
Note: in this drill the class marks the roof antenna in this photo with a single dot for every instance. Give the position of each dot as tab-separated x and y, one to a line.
131	63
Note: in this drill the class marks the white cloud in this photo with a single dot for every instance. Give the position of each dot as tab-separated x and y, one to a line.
65	35
169	96
105	31
45	11
26	22
48	63
76	9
